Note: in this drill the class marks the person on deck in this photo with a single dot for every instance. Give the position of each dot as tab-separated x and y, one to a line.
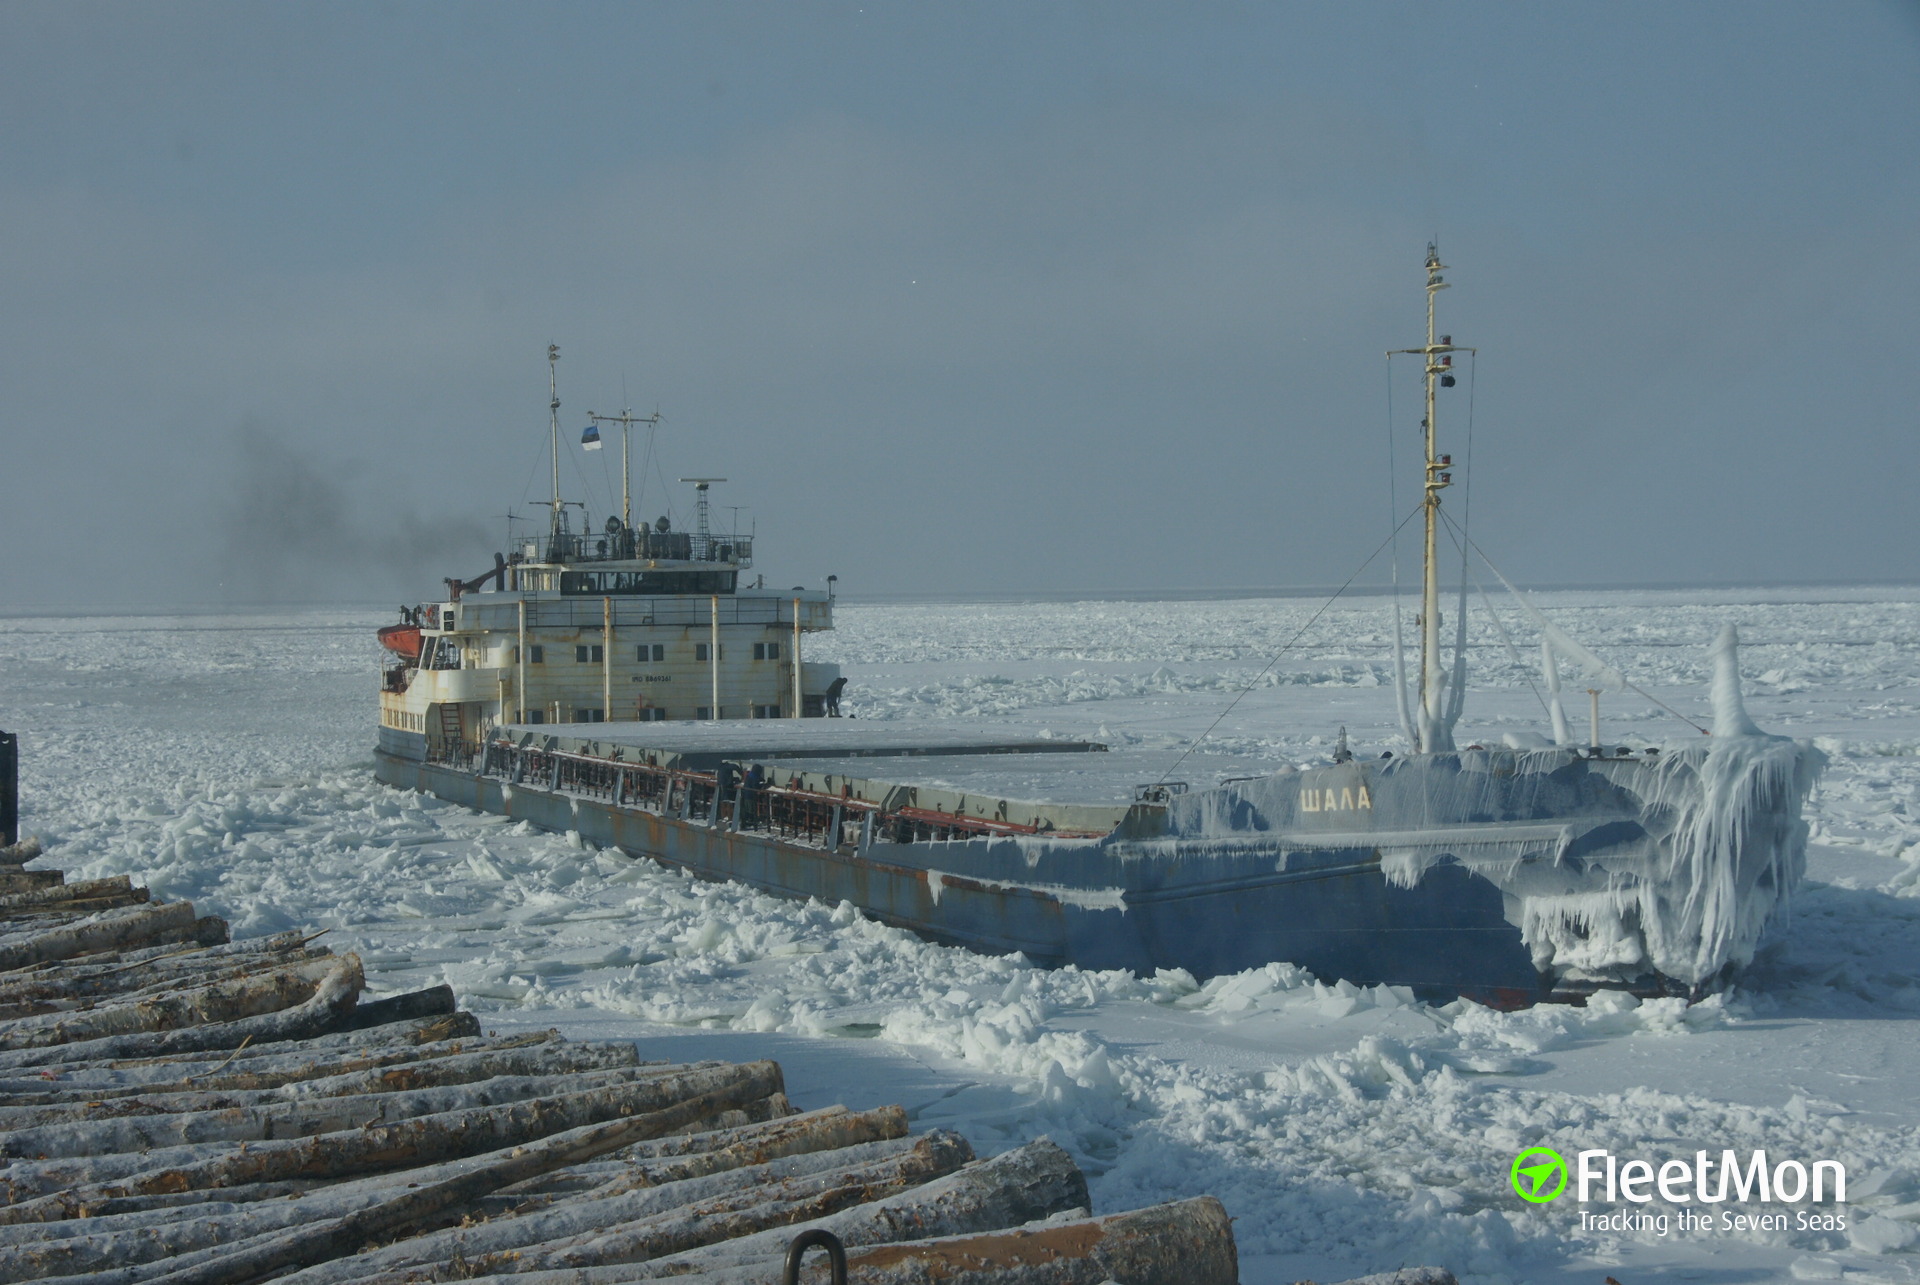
748	808
833	696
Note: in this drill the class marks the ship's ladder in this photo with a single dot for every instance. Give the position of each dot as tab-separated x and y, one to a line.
450	725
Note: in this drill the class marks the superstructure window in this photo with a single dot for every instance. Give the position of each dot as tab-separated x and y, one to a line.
536	654
535	716
701	651
585	654
653	715
766	711
654	652
589	716
766	651
645	583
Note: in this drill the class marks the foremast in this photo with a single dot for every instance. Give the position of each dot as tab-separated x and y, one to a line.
1433	729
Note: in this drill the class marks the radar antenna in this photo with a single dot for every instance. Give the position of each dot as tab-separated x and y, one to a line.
701	507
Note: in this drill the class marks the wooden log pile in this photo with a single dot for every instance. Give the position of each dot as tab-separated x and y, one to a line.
180	1109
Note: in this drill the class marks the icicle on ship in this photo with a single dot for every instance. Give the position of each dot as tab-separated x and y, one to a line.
627	686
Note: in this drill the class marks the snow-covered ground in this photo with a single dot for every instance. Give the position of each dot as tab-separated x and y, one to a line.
226	759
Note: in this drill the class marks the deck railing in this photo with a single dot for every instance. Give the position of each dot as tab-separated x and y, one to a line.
727	798
455	752
622	545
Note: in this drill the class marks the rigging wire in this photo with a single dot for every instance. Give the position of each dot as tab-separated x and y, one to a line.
646	462
1399	632
606	476
1499	625
576	452
1631	686
527	489
1393	474
1457	698
673	514
652	459
1284	648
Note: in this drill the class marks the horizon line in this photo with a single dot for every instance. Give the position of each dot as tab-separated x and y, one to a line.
1222	593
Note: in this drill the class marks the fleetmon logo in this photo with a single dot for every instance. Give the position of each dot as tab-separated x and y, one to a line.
1538	1175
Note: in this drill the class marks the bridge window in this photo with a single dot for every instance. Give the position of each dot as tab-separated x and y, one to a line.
643	583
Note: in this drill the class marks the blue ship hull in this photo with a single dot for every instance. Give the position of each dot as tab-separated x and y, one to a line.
1505	876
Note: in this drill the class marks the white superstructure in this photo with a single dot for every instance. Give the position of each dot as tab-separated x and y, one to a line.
620	624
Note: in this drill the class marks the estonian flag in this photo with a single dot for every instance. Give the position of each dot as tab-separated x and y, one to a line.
590	438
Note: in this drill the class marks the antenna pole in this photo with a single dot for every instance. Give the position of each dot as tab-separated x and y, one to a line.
626	419
553	409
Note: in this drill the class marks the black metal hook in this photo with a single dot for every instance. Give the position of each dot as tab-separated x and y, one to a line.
836	1255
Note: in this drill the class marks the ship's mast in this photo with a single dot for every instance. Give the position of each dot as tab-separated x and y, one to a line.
626	466
626	419
1432	731
1436	481
553	399
556	507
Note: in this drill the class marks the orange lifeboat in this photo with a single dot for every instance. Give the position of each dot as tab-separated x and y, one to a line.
401	640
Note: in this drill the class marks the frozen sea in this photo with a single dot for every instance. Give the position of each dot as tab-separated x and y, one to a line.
227	759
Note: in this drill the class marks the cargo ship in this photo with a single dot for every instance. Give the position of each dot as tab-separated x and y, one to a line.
629	688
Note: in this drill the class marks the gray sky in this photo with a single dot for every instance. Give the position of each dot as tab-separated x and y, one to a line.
963	298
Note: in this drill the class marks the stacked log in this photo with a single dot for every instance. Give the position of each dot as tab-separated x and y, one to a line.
180	1109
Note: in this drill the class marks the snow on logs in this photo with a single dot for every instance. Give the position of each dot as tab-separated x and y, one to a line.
178	1109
